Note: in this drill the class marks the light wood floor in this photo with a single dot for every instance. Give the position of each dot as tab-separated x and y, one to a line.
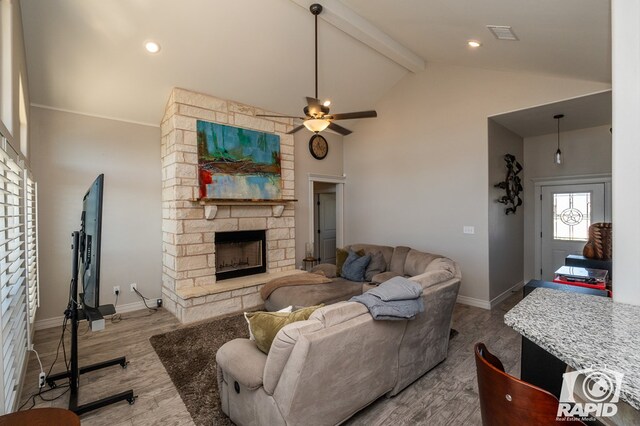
447	395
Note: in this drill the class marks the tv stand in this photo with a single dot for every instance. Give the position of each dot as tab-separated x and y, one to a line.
75	315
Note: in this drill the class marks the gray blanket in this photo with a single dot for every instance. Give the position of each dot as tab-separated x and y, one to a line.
396	299
397	288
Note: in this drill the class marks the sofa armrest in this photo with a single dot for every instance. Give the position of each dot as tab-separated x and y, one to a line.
242	359
432	278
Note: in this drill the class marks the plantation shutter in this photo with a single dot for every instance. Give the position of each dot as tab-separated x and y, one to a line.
31	219
13	295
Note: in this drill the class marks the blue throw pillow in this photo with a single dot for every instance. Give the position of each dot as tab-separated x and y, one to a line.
355	266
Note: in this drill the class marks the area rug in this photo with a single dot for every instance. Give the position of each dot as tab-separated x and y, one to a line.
189	356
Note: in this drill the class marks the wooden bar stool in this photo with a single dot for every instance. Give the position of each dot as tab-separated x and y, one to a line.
506	400
41	417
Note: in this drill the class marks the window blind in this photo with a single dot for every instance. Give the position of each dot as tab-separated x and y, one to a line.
31	241
13	293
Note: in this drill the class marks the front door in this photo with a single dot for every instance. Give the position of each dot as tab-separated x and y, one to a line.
327	227
567	212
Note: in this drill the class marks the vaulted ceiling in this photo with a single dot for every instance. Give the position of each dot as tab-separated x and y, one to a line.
87	55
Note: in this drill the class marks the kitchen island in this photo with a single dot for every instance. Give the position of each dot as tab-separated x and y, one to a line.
584	331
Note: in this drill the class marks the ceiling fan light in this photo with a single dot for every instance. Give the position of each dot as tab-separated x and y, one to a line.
316	124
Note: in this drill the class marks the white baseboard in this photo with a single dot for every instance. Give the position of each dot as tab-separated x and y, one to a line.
484	304
57	321
472	301
501	297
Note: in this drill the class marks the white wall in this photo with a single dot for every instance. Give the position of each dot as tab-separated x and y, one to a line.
418	173
68	152
9	104
506	232
625	19
305	164
584	152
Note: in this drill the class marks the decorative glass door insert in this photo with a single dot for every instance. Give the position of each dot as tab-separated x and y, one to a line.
571	216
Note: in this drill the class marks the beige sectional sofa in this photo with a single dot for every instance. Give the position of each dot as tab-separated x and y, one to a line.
400	261
324	370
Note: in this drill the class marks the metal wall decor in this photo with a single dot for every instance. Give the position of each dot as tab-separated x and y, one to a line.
512	185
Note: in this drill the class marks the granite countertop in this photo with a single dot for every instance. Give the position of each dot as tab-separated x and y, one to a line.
584	331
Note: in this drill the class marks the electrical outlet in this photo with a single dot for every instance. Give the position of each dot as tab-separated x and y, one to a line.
41	380
133	287
116	289
468	229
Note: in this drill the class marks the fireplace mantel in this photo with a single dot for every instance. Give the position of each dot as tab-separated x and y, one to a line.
211	206
227	202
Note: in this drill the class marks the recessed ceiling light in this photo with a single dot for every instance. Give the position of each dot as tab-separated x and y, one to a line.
327	103
474	43
152	47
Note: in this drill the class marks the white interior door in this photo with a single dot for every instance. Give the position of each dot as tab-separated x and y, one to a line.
326	245
566	213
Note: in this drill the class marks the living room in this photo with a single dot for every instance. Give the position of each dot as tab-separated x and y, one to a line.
421	174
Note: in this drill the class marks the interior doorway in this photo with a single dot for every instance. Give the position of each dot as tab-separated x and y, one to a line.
325	223
326	207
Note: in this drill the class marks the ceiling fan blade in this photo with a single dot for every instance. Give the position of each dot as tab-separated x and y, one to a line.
279	116
339	129
295	129
351	115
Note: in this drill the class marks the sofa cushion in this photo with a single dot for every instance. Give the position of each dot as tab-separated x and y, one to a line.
376	266
397	260
341	257
355	265
243	360
265	325
416	262
337	290
385	276
387	251
328	269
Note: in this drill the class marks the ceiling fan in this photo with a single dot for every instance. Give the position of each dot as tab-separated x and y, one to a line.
317	116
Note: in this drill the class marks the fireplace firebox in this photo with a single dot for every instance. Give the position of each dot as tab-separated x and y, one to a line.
240	253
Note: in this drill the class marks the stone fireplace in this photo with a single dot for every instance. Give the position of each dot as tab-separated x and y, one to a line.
203	272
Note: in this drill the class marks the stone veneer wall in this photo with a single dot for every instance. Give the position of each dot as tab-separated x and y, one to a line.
189	287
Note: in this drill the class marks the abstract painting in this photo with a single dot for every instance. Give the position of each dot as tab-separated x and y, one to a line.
236	163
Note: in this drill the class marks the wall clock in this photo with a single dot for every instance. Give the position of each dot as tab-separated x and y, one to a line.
318	147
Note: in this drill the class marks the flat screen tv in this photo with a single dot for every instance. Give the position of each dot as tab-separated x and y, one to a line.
90	233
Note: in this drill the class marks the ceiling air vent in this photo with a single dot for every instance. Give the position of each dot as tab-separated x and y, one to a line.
502	32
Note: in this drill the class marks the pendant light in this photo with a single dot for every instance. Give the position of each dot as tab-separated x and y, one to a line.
557	158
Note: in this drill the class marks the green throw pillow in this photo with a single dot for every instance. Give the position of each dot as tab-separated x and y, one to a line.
341	256
265	325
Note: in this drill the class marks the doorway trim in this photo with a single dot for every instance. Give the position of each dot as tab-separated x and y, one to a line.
557	181
339	181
